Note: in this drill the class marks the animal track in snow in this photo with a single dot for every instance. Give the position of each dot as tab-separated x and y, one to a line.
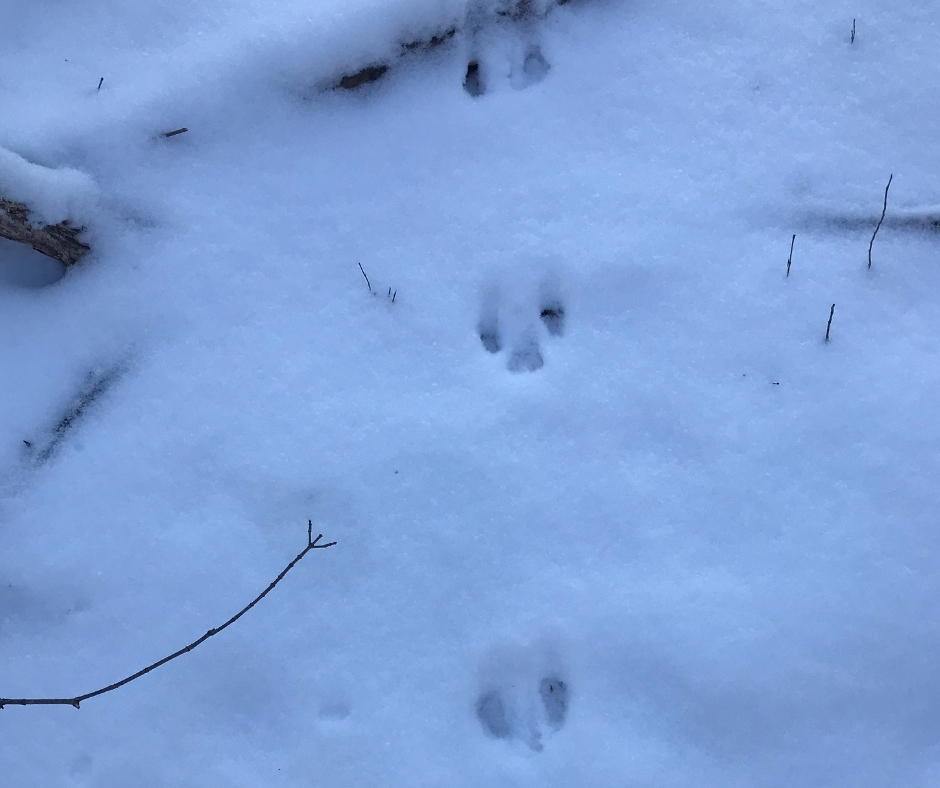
554	694
526	355
473	82
491	711
512	324
505	713
553	316
530	69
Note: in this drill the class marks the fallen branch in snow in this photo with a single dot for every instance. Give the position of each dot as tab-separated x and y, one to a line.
832	311
883	212
59	241
311	545
790	258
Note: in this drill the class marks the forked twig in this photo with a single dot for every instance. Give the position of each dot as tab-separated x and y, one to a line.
311	545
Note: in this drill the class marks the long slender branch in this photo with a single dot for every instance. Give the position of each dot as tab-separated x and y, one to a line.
883	212
311	545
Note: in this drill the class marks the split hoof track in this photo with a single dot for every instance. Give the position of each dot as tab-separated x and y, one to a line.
504	716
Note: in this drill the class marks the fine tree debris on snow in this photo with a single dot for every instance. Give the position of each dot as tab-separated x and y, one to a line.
432	43
852	39
790	258
884	210
518	10
368	283
76	701
523	9
98	383
829	324
59	241
363	76
168	134
391	295
100	83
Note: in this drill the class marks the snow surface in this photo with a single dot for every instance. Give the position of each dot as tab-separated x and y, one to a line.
52	195
715	533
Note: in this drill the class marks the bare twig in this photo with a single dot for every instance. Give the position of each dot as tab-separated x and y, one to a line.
829	324
168	134
883	212
852	40
368	283
100	83
790	258
311	545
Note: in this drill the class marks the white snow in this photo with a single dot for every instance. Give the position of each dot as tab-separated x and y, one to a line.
715	529
52	195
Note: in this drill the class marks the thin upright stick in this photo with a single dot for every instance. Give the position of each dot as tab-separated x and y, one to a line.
311	545
853	32
368	283
829	324
790	258
883	212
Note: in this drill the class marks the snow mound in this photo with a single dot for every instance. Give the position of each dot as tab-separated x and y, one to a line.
52	195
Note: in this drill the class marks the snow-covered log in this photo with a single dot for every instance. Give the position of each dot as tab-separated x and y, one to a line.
39	206
59	241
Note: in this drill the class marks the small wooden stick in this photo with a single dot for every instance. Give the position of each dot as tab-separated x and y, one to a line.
852	41
829	324
790	258
168	134
368	283
883	212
